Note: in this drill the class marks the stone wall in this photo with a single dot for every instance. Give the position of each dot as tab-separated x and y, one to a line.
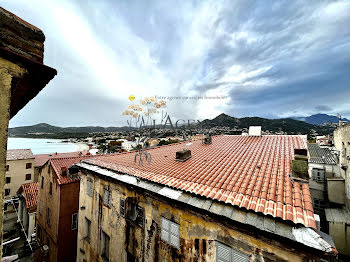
342	143
21	37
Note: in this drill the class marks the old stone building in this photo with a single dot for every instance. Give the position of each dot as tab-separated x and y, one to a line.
57	210
22	76
338	217
229	200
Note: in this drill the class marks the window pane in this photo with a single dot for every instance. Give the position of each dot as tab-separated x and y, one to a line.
174	229
175	241
165	235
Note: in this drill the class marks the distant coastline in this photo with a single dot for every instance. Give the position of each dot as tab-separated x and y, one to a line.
45	146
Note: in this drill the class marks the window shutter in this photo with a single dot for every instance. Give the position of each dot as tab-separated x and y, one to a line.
89	188
223	253
122	207
140	216
107	197
239	256
165	230
175	235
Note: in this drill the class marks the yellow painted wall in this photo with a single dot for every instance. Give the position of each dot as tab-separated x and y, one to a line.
17	172
7	71
146	243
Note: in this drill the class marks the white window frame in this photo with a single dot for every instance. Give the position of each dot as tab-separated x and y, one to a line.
227	254
170	232
74	221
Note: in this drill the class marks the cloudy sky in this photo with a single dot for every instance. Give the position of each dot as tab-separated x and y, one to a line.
262	58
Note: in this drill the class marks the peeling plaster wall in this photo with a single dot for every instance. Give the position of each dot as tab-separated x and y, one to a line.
342	143
198	233
8	70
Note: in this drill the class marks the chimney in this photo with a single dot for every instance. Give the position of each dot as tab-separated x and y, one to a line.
63	171
183	155
254	131
207	140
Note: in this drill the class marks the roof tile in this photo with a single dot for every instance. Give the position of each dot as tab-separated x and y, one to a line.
249	172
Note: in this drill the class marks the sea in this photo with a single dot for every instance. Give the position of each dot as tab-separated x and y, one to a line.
43	146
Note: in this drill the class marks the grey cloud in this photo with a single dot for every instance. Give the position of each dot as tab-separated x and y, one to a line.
189	48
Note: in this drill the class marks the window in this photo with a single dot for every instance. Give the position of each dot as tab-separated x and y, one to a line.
7	191
107	197
226	254
48	215
122	207
39	232
318	175
89	187
28	176
5	206
87	229
7	167
170	232
74	221
28	165
8	180
319	204
42	182
50	188
105	246
348	190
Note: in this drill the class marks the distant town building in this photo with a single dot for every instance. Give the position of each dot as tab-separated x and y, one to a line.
323	169
323	140
28	198
57	211
231	200
22	76
41	159
19	170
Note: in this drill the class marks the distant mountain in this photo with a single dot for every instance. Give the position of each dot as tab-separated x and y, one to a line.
320	119
290	126
44	128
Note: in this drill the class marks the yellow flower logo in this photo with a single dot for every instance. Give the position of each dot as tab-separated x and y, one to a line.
132	98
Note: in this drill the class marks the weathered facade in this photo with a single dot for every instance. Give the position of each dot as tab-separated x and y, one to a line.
339	191
125	216
58	202
22	77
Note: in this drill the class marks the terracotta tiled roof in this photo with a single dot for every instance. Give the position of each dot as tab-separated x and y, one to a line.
30	193
41	159
17	154
249	172
67	162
